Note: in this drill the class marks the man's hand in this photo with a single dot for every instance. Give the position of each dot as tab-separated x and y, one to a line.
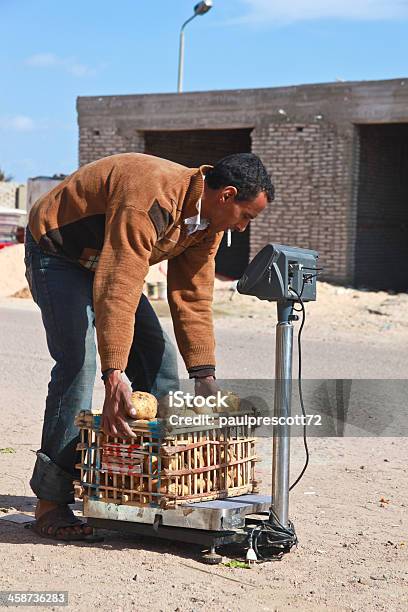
117	407
206	386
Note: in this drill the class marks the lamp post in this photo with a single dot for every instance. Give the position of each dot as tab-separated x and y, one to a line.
200	9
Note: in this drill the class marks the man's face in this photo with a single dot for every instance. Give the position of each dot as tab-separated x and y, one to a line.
224	212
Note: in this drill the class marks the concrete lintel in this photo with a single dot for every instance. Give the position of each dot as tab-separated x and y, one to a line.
355	102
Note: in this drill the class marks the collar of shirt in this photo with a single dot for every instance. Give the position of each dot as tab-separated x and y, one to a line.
196	223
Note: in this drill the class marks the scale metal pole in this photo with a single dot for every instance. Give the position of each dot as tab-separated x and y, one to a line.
282	408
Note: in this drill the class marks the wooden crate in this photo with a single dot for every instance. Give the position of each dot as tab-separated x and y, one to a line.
188	464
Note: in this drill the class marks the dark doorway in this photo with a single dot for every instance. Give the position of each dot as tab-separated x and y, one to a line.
194	148
382	215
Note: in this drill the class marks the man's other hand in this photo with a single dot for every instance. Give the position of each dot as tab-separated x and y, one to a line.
206	386
117	407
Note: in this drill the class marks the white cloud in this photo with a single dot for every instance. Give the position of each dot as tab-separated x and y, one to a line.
17	123
42	60
286	11
51	60
78	70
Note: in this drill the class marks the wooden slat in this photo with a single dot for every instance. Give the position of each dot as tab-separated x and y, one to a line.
203	460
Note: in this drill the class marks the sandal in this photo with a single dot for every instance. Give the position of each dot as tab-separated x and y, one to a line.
59	518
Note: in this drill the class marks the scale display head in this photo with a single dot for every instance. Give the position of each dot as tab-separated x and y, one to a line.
278	271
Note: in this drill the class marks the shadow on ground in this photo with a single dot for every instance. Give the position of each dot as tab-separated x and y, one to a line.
12	533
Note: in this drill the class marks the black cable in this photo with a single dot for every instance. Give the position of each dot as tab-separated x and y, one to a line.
299	342
306	278
273	537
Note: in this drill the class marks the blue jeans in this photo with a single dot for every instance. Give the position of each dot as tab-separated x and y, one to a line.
63	291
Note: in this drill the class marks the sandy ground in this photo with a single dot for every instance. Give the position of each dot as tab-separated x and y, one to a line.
350	509
12	269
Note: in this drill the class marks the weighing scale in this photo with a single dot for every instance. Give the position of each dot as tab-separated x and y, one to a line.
259	523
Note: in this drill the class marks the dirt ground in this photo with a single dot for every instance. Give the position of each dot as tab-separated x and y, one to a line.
350	509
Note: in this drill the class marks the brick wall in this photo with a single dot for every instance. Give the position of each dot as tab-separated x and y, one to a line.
307	137
311	167
382	215
104	139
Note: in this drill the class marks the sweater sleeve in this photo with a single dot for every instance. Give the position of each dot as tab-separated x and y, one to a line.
190	287
122	268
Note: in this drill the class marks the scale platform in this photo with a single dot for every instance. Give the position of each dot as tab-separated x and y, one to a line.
216	515
211	524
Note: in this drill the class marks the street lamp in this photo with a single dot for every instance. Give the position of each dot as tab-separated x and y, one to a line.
200	9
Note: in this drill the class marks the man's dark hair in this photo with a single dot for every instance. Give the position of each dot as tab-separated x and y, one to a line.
246	172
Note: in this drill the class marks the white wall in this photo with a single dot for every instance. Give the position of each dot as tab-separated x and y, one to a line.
36	187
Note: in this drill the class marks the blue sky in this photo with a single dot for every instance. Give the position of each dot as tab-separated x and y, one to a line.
52	52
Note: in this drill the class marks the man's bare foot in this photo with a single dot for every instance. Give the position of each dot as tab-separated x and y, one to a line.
44	506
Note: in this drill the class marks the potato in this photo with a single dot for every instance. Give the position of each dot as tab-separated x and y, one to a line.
173	490
200	462
142	486
183	490
231	455
202	410
147	463
202	485
232	400
145	404
169	463
189	412
230	482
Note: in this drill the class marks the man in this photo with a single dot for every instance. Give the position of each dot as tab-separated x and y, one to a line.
88	249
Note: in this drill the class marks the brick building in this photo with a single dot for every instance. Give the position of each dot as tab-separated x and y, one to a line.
338	155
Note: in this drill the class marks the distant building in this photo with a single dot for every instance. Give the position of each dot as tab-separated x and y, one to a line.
337	152
13	216
39	185
13	195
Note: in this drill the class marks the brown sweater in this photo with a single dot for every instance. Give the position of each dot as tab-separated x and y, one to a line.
118	215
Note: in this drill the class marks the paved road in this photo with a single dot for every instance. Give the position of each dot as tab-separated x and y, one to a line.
343	526
245	350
